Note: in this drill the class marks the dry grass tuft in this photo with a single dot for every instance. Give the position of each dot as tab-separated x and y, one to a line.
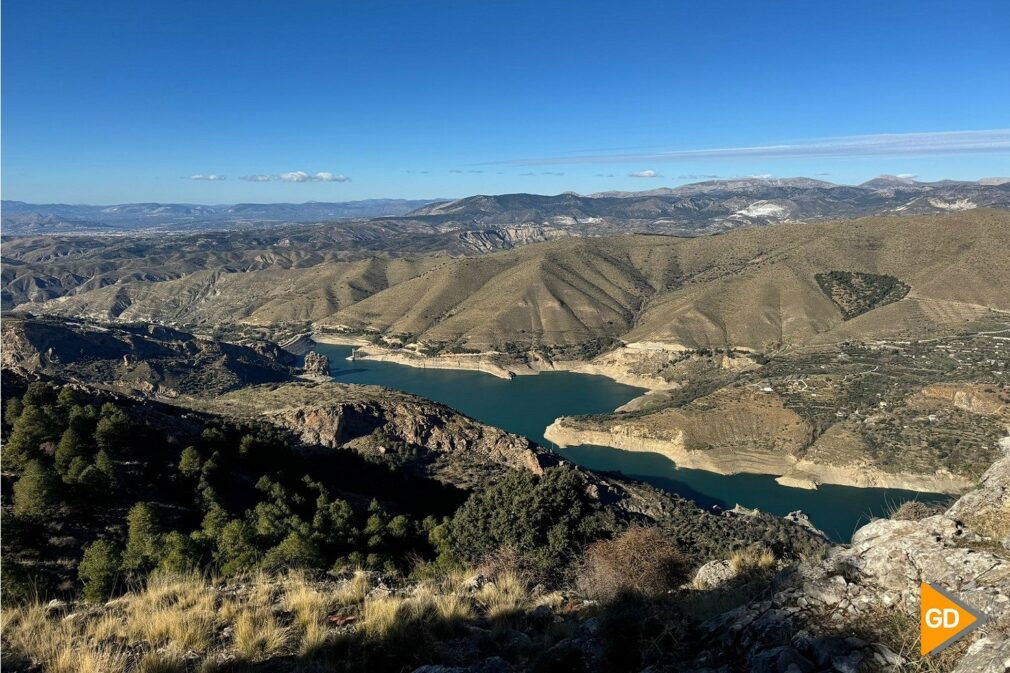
383	616
993	523
504	595
258	634
753	560
310	607
175	609
169	660
58	646
899	630
453	607
354	590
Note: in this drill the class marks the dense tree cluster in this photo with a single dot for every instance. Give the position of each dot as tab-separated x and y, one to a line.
235	499
546	520
114	490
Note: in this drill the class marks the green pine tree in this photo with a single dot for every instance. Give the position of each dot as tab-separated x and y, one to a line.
142	536
37	492
98	570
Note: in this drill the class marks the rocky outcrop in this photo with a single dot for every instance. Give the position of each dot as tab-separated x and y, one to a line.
970	397
141	358
835	614
317	364
410	430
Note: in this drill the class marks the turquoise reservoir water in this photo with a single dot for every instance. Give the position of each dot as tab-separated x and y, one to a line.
526	405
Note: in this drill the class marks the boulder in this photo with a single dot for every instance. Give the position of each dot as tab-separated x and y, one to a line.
714	574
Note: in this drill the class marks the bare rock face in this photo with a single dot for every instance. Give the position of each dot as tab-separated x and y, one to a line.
317	364
432	438
813	608
143	359
961	549
987	655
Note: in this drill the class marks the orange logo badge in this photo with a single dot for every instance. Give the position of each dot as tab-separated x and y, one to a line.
943	619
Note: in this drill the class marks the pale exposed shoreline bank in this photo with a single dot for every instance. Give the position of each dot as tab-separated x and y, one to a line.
787	470
482	362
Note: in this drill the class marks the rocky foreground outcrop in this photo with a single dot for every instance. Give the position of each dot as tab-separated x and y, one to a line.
410	430
857	609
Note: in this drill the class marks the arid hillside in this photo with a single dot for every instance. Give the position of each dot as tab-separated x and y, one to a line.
757	288
270	296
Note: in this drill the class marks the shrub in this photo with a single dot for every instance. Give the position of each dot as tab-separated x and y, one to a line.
108	467
914	510
545	519
38	394
190	462
16	582
13	410
68	397
97	570
114	431
71	446
178	553
639	560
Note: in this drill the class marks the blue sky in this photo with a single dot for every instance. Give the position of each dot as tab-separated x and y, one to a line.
119	101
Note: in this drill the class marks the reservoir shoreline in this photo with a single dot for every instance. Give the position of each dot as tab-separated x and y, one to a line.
788	471
528	405
484	362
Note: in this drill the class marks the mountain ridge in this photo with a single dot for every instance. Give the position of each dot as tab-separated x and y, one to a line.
702	207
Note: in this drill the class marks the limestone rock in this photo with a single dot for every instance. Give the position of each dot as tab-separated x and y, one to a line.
714	574
317	364
987	655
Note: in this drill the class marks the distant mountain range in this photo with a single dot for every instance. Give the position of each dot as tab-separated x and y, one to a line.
32	218
703	207
718	205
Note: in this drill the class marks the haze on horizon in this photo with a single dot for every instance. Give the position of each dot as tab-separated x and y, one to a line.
208	103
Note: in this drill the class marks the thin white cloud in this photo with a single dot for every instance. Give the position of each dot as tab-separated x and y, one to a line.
649	173
302	176
906	176
212	177
878	145
296	176
329	177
